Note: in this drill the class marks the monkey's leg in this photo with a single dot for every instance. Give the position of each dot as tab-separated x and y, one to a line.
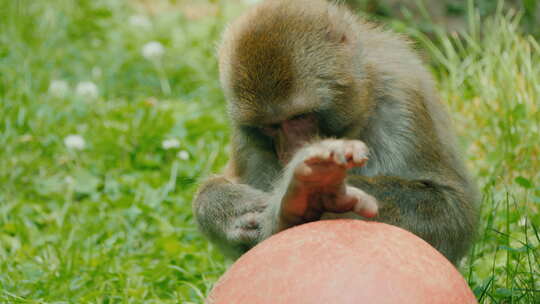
442	214
231	215
315	183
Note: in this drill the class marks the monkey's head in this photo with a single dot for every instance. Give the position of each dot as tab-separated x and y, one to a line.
290	71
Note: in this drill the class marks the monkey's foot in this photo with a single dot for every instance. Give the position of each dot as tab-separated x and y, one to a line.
318	182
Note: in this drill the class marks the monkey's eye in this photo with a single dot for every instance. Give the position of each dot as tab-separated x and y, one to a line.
300	116
270	130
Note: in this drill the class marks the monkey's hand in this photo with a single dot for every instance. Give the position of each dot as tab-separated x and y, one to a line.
231	215
317	183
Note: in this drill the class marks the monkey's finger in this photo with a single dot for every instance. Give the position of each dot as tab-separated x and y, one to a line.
360	157
349	155
356	162
355	153
366	204
318	156
337	153
367	208
302	171
339	158
361	152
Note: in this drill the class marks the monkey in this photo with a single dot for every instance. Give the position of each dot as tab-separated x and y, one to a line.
332	117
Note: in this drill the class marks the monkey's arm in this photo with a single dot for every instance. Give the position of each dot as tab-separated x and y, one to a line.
443	215
231	214
237	216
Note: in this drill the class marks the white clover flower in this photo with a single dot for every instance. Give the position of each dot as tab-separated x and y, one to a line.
172	143
87	89
140	21
75	142
183	155
153	50
69	180
58	88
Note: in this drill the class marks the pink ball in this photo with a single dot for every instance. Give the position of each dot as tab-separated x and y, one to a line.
342	261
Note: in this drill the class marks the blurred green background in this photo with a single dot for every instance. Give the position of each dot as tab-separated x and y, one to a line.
452	15
111	113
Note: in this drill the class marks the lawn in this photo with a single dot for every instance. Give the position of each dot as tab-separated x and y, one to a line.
111	114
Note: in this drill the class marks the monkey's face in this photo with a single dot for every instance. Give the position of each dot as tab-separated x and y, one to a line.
284	124
281	114
288	79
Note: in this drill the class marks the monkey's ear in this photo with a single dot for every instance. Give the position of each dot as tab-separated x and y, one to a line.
337	36
340	38
341	25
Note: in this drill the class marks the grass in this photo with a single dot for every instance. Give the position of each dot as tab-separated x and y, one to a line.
112	222
491	80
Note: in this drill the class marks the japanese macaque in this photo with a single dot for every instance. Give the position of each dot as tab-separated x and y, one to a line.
332	117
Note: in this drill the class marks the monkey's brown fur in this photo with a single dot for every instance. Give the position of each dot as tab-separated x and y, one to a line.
285	58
